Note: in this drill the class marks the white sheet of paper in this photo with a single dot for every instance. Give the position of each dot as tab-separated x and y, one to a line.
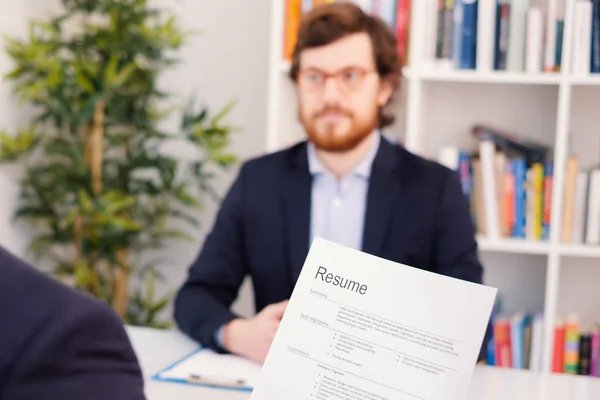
361	327
219	369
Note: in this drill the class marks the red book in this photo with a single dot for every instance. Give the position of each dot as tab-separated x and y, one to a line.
509	200
558	356
548	179
402	24
502	343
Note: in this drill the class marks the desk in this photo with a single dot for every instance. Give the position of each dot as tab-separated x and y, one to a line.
157	349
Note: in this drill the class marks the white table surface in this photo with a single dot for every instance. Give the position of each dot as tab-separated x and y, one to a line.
157	349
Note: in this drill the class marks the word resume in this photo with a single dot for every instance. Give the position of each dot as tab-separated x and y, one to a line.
359	327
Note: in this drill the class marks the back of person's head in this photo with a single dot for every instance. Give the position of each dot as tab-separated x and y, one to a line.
329	23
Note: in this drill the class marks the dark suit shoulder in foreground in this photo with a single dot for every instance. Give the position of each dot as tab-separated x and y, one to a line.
57	343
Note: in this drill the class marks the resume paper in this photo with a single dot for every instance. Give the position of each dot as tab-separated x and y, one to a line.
359	327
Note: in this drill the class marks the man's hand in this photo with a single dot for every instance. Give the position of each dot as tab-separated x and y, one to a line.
252	337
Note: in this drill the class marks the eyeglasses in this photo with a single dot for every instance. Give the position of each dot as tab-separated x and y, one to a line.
349	79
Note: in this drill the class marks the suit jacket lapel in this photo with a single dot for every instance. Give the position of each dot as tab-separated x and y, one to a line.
296	209
384	187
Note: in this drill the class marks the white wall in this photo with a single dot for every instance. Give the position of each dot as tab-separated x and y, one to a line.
13	21
227	60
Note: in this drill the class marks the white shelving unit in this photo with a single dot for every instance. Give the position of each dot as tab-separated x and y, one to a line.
555	108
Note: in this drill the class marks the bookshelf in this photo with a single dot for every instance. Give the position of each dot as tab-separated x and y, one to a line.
516	78
558	109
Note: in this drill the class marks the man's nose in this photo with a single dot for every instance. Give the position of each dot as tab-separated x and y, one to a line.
331	91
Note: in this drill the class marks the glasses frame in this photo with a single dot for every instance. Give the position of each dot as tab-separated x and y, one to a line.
337	76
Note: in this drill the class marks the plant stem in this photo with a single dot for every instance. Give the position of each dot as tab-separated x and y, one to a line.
120	298
78	236
96	147
88	144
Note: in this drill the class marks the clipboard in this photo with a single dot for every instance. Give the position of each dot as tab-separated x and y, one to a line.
206	368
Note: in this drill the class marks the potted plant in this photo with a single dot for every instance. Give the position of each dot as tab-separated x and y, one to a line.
96	184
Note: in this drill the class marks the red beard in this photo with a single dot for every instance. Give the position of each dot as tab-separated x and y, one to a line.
325	138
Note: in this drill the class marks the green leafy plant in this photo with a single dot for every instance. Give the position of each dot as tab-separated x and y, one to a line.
97	184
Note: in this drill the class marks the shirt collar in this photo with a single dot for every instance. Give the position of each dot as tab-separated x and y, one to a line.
362	169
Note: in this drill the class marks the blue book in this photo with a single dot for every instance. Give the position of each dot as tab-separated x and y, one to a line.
468	37
560	28
518	326
548	181
520	171
491	344
457	24
595	48
466	177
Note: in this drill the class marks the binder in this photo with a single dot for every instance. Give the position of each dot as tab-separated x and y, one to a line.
204	367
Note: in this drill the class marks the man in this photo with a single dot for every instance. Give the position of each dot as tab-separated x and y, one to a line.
347	184
56	343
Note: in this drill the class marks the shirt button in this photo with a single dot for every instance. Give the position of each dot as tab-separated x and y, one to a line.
337	202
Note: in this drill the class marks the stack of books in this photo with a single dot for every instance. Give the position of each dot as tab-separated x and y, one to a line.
576	350
516	341
581	204
502	35
507	182
395	13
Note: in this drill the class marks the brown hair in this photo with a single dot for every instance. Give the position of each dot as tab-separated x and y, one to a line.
328	23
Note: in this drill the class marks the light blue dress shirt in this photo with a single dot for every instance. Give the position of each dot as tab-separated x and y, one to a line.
338	205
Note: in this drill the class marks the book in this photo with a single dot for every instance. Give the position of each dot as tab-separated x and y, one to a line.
395	13
503	342
595	39
534	38
576	349
558	353
467	47
509	196
550	37
582	38
486	19
592	223
569	199
571	345
585	353
293	13
512	143
500	35
515	56
595	353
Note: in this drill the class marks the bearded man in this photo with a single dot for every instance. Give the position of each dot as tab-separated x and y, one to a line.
346	183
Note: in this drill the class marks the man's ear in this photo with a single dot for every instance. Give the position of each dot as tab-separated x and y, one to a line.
385	92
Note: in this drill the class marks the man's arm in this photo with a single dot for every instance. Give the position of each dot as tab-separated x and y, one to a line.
81	351
203	304
455	243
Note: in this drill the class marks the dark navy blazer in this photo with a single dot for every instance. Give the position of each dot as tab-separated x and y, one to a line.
56	343
416	214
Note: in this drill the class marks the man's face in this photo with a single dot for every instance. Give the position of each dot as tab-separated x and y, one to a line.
340	93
